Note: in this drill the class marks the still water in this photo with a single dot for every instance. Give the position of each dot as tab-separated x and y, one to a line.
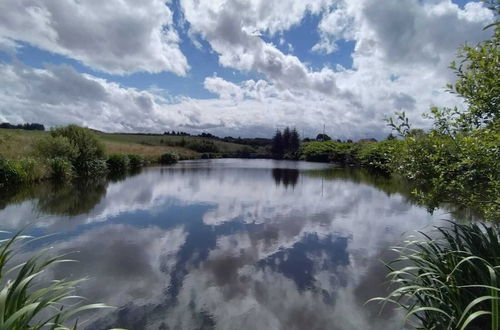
226	244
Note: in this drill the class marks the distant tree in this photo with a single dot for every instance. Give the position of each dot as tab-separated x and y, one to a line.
278	145
26	126
323	137
391	137
287	134
294	141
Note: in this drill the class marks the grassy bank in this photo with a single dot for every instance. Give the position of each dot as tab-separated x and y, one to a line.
27	156
18	144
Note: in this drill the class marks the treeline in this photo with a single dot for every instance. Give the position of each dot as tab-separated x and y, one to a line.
286	144
27	126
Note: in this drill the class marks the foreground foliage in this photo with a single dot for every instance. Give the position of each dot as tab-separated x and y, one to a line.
449	282
25	303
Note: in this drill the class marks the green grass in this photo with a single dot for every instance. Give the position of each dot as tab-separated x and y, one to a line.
17	144
166	140
450	281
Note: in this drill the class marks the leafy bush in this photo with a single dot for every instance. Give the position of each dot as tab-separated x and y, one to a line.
168	158
452	282
19	171
464	170
60	168
50	147
92	167
329	151
379	155
117	163
89	151
29	306
8	173
136	161
28	169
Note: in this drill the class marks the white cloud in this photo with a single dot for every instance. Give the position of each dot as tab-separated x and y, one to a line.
233	29
59	95
223	88
114	36
400	62
8	46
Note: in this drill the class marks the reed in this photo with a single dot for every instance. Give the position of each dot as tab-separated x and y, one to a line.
25	303
449	282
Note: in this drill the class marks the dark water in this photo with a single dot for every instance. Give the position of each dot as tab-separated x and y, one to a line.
226	244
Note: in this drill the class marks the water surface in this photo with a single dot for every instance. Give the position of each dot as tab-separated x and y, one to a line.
226	244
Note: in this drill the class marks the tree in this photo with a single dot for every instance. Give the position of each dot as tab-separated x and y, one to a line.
323	137
294	141
477	69
278	146
286	139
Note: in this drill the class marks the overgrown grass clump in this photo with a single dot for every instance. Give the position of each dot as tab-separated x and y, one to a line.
118	163
136	161
16	171
449	282
168	158
26	303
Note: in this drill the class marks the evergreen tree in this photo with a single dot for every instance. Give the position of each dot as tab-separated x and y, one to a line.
323	137
294	141
287	134
278	147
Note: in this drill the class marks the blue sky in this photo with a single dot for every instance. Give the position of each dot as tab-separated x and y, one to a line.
241	68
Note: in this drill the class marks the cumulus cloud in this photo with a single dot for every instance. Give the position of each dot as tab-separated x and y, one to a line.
233	30
59	95
400	62
223	88
113	36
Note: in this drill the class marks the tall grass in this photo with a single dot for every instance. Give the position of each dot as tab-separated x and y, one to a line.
27	304
449	282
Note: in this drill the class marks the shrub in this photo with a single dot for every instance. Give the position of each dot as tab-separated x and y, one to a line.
451	282
379	155
136	161
328	151
464	169
19	171
168	158
117	163
50	147
60	168
28	169
88	159
8	173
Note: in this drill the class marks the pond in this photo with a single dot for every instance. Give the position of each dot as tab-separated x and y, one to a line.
226	244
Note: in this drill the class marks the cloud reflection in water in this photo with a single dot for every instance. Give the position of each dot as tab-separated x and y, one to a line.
228	244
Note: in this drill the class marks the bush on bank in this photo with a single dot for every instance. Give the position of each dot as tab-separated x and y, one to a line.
19	171
168	158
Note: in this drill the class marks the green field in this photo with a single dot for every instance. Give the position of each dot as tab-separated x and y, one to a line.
17	144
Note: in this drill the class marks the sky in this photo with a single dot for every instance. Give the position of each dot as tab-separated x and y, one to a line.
231	67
